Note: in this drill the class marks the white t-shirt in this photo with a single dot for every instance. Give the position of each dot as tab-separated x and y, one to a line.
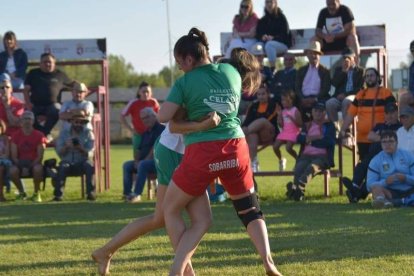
172	141
406	139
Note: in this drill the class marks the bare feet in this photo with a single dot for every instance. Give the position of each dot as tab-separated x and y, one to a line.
274	272
103	260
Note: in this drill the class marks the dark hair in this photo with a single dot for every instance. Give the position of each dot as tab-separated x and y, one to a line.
289	93
388	134
9	35
142	84
193	44
376	73
248	68
47	55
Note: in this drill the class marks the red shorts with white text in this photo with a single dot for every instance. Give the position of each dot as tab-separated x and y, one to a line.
205	161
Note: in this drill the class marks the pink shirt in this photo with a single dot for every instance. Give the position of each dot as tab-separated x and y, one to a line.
312	82
314	130
17	109
246	25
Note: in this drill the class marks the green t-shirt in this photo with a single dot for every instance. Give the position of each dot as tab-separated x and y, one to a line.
207	88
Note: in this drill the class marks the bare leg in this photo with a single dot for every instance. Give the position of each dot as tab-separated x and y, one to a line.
184	240
15	178
290	150
276	149
258	235
130	232
37	177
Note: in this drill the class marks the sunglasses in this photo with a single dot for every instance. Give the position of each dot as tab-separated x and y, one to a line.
244	7
5	86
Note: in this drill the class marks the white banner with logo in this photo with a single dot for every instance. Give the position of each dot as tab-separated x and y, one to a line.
65	49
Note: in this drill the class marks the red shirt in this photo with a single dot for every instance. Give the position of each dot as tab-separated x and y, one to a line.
27	144
134	107
17	109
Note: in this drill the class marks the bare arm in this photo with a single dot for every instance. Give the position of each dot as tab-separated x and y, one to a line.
26	94
345	125
13	153
40	152
125	123
167	112
181	126
373	136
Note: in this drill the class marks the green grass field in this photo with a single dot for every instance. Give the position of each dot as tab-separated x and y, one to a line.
320	236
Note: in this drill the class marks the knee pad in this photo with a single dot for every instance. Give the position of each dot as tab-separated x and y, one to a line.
247	203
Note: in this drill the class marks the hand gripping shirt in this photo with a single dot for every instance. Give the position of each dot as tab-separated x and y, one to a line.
207	88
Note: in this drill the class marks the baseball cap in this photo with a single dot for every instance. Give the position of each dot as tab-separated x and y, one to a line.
4	77
390	107
319	105
407	111
80	86
348	52
28	115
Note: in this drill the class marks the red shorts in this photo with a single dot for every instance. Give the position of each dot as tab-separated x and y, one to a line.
203	162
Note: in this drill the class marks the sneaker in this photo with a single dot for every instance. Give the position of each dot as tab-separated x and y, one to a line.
380	203
134	199
282	164
255	165
57	198
290	190
351	197
91	197
21	196
298	195
36	197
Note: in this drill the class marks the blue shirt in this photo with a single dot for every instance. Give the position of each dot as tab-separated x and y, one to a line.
384	165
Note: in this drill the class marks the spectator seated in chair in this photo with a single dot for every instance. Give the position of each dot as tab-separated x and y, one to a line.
356	188
390	176
260	125
75	147
27	148
144	163
77	106
317	140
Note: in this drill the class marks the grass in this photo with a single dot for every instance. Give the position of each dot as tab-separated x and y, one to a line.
321	236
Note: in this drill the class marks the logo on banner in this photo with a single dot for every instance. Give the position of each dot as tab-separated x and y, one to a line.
79	49
47	49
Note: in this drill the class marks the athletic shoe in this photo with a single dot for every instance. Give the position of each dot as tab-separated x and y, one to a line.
290	190
91	197
351	191
36	197
21	196
134	199
255	165
57	198
299	194
380	203
282	164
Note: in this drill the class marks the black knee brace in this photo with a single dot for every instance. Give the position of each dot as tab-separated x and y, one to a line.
247	203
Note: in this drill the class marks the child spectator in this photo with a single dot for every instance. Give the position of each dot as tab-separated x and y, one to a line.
290	121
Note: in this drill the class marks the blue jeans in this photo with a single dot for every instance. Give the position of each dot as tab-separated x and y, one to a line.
145	167
51	112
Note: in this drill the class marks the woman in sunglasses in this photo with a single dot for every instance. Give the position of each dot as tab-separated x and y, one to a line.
244	28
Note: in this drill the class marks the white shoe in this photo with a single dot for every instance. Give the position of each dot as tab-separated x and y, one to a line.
255	165
282	164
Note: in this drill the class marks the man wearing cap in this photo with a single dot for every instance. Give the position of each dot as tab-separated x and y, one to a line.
408	97
284	79
356	188
75	147
406	132
77	105
313	81
368	107
317	140
335	28
11	108
42	93
348	79
26	151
